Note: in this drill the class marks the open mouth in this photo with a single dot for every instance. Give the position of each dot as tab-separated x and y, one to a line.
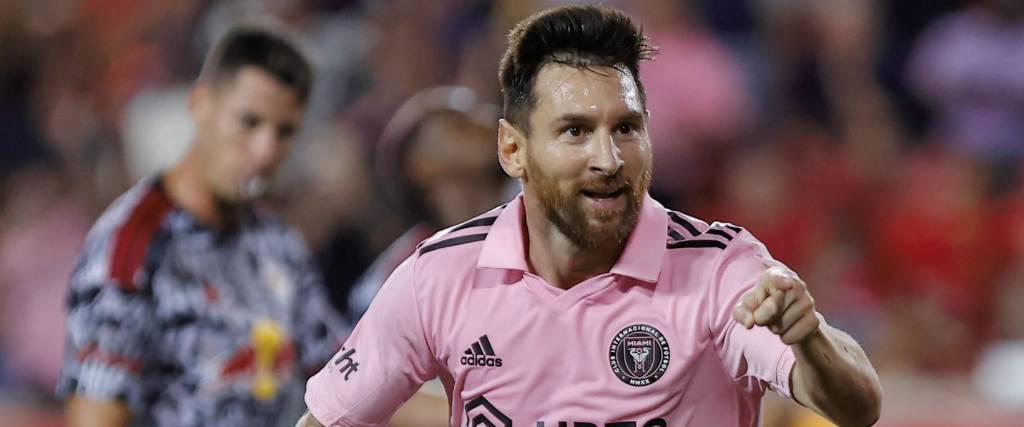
604	194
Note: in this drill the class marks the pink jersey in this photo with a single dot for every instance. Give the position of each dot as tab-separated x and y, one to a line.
650	343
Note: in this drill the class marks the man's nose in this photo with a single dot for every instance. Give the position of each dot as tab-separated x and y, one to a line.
266	149
607	157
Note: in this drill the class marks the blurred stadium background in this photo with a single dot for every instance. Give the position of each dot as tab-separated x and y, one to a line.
875	146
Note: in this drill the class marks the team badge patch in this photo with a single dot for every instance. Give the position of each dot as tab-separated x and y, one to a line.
639	355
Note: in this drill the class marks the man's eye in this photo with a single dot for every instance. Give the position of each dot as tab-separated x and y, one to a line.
625	129
250	121
286	131
574	130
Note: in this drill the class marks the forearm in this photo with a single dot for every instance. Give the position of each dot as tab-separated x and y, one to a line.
834	377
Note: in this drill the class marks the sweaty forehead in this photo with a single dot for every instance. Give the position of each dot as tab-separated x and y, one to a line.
561	88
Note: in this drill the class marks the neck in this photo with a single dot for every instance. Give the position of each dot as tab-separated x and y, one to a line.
186	187
556	258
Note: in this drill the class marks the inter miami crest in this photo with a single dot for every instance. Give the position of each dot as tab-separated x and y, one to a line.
639	355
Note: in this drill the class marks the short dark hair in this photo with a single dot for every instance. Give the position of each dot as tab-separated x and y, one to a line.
581	36
265	45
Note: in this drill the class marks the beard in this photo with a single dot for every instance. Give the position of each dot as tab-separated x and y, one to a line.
564	207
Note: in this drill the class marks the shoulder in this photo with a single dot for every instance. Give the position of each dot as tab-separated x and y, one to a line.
465	236
687	232
144	199
718	259
712	245
455	249
118	243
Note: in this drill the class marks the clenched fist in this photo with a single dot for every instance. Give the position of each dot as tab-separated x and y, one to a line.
780	302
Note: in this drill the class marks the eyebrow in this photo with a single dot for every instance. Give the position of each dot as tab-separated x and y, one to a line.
575	118
629	116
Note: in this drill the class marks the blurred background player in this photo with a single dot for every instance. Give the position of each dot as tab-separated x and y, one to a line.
191	303
436	163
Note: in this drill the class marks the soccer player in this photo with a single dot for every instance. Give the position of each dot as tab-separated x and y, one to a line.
190	304
583	301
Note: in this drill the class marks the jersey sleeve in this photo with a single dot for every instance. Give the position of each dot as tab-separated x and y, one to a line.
384	361
756	358
109	329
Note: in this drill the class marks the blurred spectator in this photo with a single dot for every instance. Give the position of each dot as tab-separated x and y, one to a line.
438	166
901	23
20	141
930	244
337	209
969	67
698	97
404	57
44	214
823	59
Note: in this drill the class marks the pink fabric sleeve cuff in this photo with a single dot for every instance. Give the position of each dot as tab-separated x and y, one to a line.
318	401
783	371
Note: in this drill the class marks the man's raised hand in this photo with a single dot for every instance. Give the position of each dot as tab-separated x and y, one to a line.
780	302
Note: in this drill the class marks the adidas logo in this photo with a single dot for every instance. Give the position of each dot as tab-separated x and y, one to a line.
480	354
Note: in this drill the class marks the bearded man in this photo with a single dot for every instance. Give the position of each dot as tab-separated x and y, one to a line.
583	301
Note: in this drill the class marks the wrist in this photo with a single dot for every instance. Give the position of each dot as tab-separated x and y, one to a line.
814	343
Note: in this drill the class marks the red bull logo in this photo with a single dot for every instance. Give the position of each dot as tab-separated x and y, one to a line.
268	357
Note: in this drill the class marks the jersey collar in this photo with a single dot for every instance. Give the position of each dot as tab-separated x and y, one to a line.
641	259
